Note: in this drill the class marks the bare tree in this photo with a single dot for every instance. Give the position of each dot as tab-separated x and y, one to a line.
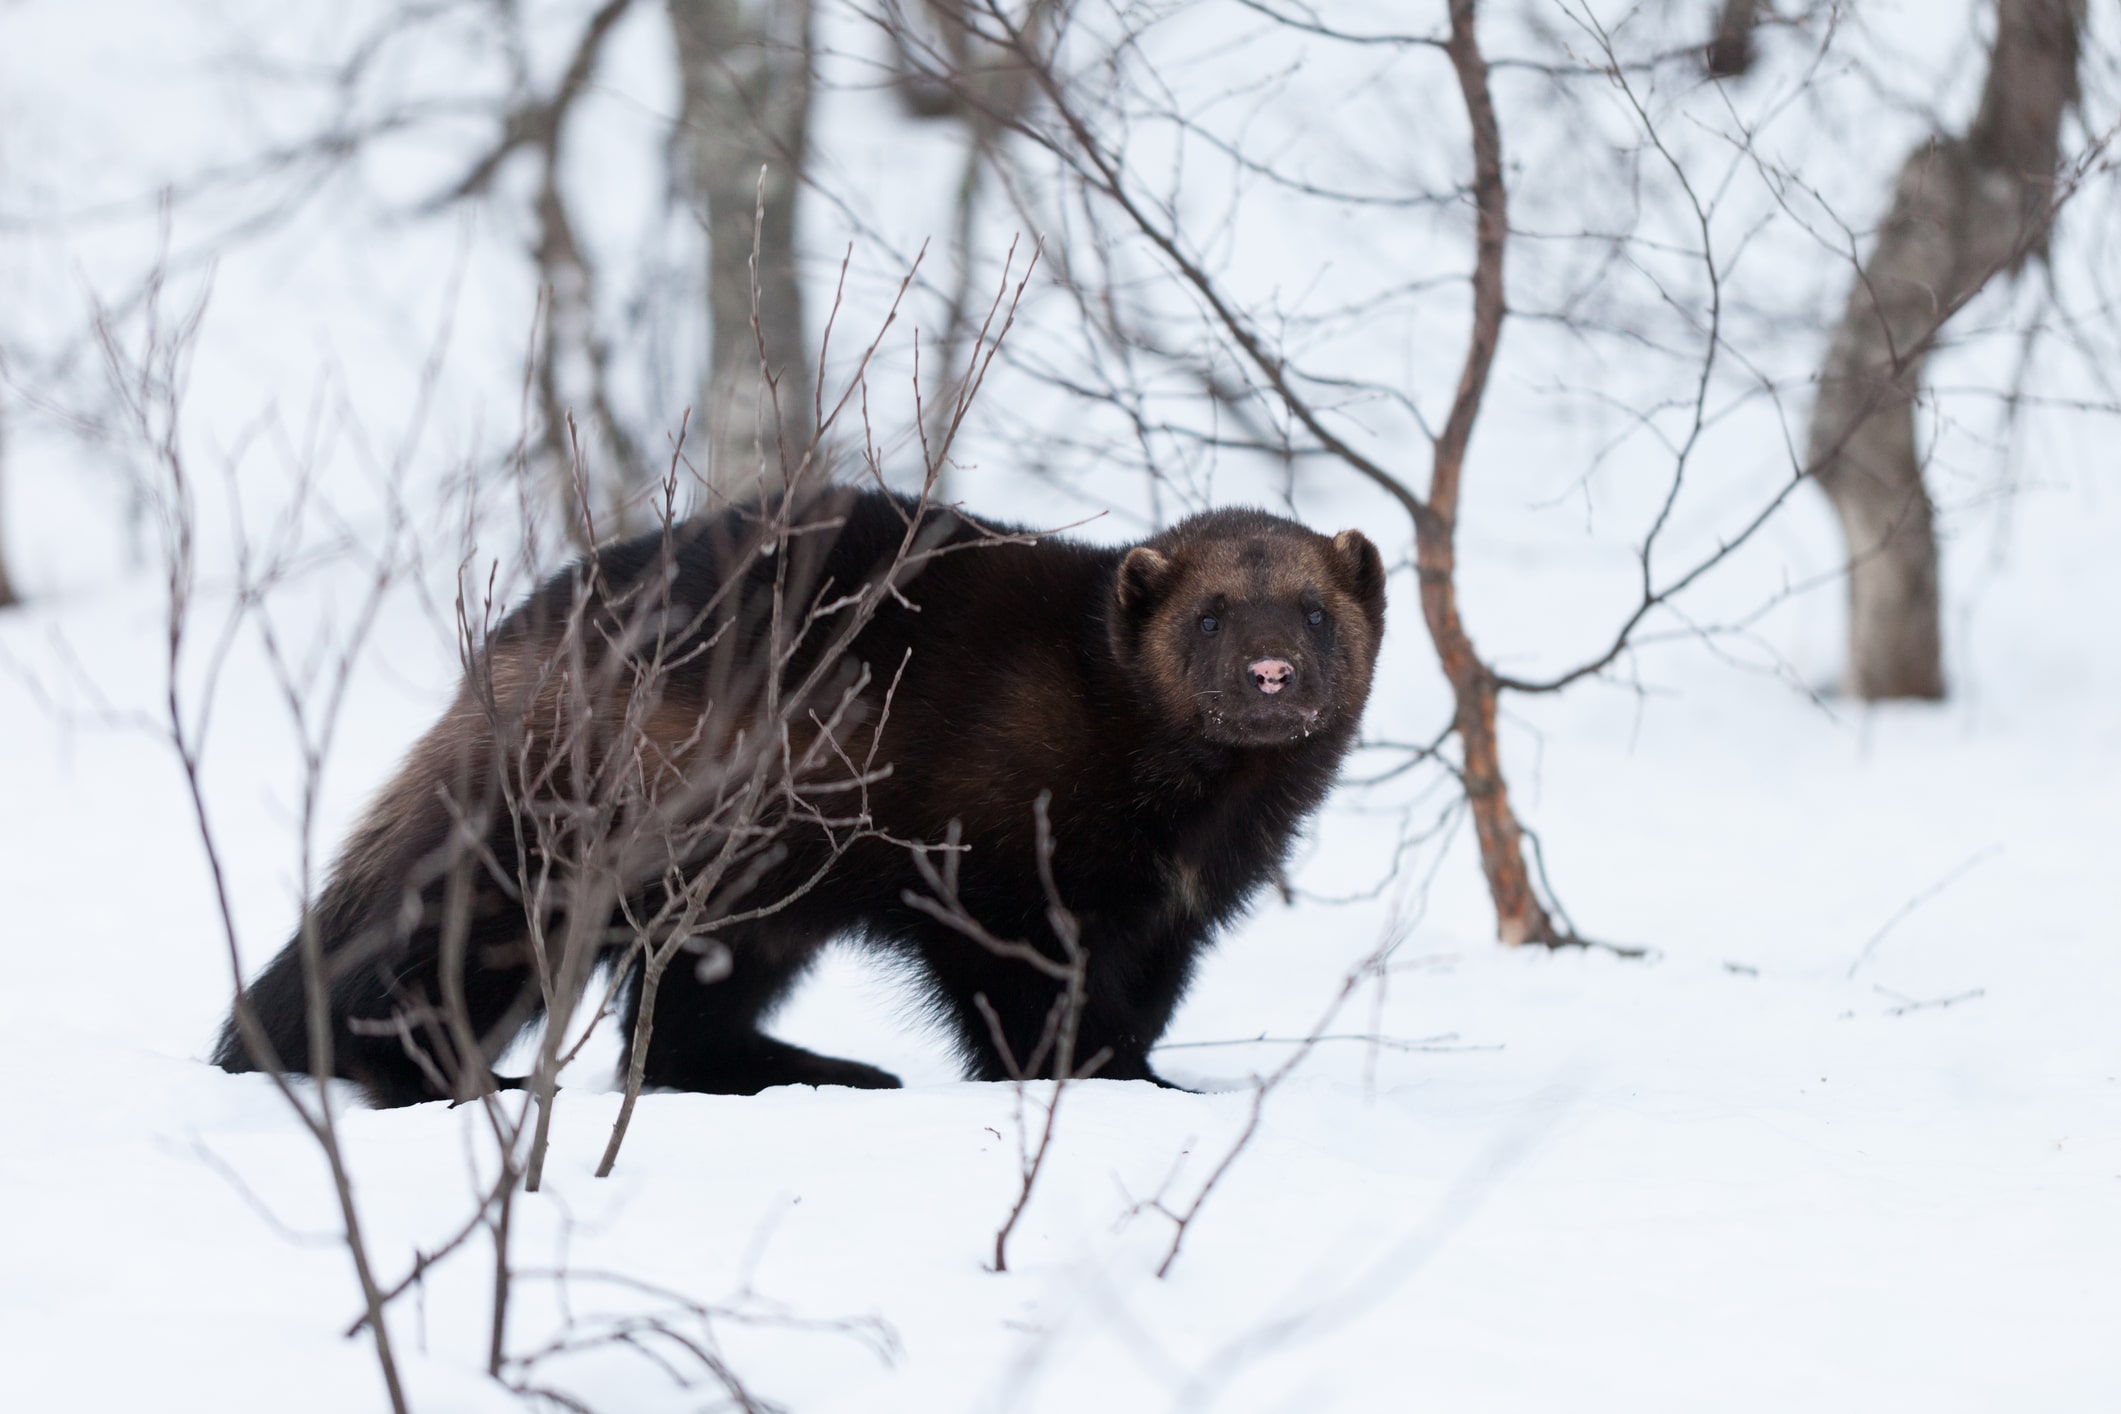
1520	916
1965	209
146	382
746	73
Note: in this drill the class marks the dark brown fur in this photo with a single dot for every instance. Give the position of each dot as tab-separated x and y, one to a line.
1176	784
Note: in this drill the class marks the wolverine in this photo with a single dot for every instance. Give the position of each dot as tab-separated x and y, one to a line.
770	728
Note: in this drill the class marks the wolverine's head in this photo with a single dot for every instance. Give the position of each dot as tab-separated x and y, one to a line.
1252	629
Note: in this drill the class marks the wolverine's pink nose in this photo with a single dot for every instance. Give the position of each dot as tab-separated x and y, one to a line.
1271	674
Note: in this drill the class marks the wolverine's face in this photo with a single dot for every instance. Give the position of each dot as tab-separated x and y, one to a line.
1253	629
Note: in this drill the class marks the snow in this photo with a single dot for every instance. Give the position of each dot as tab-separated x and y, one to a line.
1848	1138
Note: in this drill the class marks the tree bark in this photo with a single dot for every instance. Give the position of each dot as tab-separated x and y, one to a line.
745	69
1964	210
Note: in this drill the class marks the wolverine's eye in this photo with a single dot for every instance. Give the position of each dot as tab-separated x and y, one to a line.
1315	617
1209	623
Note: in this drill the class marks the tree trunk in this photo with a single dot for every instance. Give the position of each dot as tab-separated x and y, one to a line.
745	70
8	597
1964	209
1519	915
1730	53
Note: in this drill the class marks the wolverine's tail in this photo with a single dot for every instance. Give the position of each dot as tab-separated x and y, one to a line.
276	1000
378	943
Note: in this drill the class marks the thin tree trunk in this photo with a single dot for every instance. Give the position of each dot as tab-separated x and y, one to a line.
8	597
1964	209
745	67
1519	915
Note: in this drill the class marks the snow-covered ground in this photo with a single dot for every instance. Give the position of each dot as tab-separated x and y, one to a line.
1849	1138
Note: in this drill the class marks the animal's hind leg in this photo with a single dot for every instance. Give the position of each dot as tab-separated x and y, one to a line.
706	1036
404	1046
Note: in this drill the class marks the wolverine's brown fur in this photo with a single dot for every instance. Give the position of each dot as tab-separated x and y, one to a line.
1181	705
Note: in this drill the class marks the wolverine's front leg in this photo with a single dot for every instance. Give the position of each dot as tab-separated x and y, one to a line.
705	1034
1011	1016
1130	992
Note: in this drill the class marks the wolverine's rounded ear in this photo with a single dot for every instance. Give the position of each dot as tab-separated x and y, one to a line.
1364	567
1143	577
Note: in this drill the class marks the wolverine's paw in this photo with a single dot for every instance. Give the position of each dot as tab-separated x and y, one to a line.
831	1071
777	1063
1131	1067
754	1063
500	1083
